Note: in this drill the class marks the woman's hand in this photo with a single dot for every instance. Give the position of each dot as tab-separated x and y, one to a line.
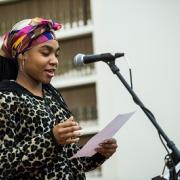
107	148
67	132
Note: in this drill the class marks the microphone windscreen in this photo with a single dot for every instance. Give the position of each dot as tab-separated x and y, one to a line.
78	59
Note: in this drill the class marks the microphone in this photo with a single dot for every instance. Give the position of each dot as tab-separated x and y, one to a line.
82	59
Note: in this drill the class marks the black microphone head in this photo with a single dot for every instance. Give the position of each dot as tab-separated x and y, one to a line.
78	60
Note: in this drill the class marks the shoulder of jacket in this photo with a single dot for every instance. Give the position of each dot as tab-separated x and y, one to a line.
10	87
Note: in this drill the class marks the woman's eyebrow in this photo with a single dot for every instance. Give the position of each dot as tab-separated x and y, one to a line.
50	48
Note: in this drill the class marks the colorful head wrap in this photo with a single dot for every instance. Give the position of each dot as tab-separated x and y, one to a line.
27	33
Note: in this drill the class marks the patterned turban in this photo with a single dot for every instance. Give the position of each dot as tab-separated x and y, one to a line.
27	33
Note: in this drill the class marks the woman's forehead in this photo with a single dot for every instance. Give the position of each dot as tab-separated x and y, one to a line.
51	43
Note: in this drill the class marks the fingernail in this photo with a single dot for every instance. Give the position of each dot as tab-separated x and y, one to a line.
73	123
79	133
77	139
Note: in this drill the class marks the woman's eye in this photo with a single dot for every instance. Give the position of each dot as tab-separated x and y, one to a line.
45	54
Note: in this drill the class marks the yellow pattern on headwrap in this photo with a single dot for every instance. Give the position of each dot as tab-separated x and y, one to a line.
19	40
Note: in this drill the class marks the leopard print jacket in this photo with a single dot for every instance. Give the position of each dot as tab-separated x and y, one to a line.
28	149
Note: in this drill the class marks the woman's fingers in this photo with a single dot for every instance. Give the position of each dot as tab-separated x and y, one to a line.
67	132
107	148
72	140
68	123
73	134
69	129
103	150
110	141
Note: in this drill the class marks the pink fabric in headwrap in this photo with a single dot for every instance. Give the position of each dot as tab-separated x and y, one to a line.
26	34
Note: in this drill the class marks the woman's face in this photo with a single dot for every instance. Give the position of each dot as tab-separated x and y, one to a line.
41	61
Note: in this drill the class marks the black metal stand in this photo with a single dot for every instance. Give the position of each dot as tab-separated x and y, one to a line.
174	157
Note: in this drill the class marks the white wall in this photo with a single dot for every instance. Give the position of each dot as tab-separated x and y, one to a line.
148	31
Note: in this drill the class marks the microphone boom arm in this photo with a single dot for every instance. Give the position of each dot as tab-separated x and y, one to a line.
175	155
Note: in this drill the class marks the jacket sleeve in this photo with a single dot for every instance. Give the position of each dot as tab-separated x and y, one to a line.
91	163
88	163
25	156
85	163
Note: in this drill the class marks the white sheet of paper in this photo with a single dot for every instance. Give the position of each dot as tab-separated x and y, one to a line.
106	133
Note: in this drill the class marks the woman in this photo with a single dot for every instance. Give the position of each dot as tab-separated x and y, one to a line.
37	131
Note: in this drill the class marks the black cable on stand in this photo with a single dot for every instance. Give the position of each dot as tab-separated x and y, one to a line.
172	158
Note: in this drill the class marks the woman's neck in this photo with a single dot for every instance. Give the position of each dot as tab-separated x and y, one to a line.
31	85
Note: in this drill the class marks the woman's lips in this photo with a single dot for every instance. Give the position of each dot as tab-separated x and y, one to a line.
50	72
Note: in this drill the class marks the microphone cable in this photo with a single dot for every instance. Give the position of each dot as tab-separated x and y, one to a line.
130	72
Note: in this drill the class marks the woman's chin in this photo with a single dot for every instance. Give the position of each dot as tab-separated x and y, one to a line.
46	81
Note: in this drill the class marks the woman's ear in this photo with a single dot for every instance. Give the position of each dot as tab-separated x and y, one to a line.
21	60
21	57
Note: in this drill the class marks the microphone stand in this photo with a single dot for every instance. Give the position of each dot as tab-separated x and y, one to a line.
174	157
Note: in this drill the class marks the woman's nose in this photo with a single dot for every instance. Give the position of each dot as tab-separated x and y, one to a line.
54	60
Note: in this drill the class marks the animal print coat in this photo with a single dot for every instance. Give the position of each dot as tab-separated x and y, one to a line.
28	149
